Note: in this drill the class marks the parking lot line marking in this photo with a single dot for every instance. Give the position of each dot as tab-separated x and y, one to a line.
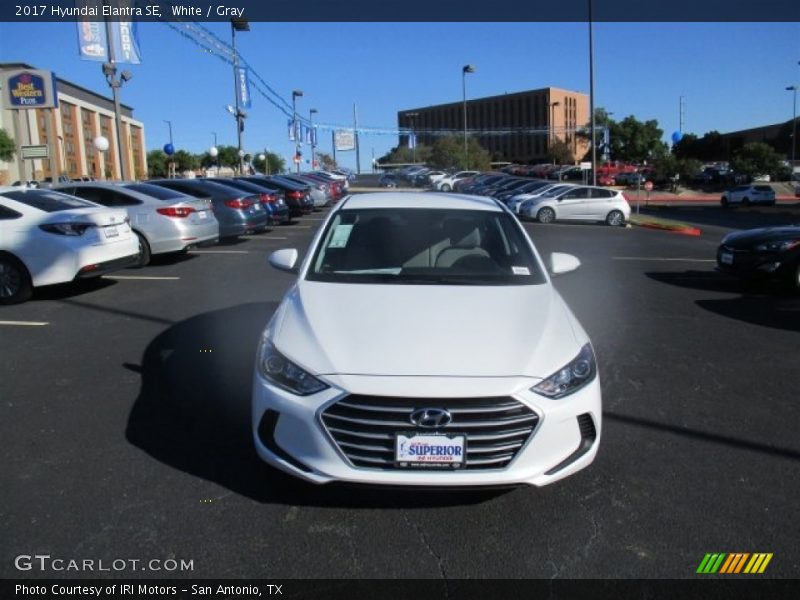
25	323
219	252
263	237
143	277
703	260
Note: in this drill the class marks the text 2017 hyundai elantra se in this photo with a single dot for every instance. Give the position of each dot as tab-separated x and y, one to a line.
424	344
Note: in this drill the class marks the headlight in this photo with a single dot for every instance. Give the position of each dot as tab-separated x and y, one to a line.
570	378
284	373
778	246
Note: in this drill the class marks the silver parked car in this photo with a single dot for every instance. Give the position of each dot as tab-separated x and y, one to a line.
163	220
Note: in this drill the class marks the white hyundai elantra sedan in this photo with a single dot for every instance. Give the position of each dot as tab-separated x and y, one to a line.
423	344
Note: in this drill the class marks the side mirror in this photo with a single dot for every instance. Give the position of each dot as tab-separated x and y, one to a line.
563	263
284	260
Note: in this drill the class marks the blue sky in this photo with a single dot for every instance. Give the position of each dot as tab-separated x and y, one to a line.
732	75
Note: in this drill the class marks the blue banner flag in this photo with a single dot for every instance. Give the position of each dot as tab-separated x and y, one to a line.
290	125
126	42
412	140
92	40
243	87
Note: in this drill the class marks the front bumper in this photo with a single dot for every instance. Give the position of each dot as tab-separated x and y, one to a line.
289	432
747	263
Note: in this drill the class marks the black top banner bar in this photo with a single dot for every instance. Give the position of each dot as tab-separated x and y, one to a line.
403	589
404	10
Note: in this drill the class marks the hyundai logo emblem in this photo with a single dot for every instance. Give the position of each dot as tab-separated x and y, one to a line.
431	418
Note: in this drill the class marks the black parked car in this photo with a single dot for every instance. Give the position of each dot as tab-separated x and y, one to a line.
769	253
297	196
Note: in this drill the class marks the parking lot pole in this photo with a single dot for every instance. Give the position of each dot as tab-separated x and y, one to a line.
638	193
591	96
238	25
464	70
355	131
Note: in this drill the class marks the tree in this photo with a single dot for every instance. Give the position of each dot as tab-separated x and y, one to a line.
184	161
7	147
404	154
326	161
636	141
276	163
157	163
560	153
629	139
709	147
448	152
756	158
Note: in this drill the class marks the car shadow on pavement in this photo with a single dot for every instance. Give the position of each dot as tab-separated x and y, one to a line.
759	303
72	289
193	414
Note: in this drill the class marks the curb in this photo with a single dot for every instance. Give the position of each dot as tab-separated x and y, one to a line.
676	228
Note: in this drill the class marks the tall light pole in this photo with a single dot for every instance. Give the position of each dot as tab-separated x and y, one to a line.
311	113
238	25
464	70
591	96
411	116
110	71
794	88
169	124
295	95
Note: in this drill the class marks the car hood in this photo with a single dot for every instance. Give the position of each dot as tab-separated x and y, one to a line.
750	237
433	330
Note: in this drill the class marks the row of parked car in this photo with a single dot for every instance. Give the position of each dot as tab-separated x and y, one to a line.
83	229
545	200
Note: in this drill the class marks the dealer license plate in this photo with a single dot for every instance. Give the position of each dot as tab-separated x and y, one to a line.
430	450
726	258
202	214
111	231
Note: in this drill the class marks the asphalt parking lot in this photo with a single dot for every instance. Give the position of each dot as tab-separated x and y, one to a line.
126	434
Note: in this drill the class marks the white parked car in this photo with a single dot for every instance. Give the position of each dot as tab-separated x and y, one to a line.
424	344
515	202
47	237
445	184
579	203
749	194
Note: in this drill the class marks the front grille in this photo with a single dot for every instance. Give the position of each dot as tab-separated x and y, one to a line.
364	427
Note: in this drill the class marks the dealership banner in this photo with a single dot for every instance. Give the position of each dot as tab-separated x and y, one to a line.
243	87
344	139
29	88
93	41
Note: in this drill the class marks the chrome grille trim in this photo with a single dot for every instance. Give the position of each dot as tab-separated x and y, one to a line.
363	428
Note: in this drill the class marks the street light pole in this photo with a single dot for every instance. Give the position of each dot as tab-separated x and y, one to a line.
464	70
311	113
591	96
110	71
296	94
794	88
238	25
552	123
169	124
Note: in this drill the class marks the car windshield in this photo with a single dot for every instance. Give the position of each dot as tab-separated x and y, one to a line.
424	246
49	201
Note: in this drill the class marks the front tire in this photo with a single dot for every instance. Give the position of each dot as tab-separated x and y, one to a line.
615	218
15	281
446	187
144	251
546	215
724	202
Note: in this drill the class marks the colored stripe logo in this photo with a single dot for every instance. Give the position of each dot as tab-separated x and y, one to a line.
734	563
